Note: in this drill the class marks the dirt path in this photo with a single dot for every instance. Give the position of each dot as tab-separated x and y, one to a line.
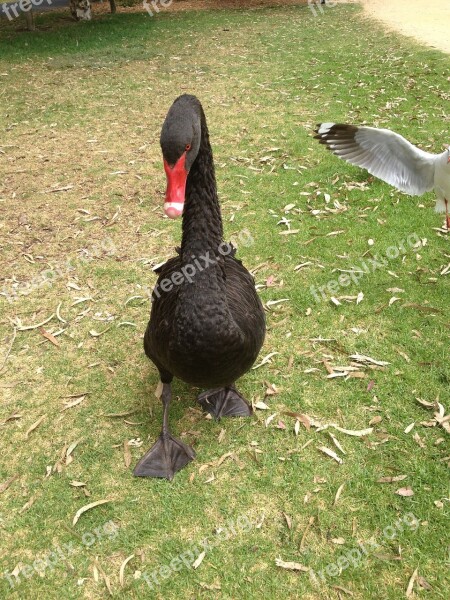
426	20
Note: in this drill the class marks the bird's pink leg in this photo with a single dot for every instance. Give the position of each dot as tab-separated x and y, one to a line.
447	216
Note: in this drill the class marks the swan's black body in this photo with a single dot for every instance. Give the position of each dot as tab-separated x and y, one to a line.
208	328
208	332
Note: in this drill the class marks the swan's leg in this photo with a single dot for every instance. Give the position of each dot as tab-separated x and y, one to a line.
225	402
168	455
447	216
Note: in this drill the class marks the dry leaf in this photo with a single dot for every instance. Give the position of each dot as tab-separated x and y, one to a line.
339	541
426	404
11	417
5	485
409	589
339	588
331	454
328	367
51	338
21	327
224	457
288	520
265	360
307	528
34	426
71	448
391	479
204	467
355	433
338	494
103	574
199	560
96	334
375	420
126	454
403	355
270	419
300	417
122	569
336	443
418	439
424	309
212	586
367	359
424	583
28	504
83	509
291	566
406	492
73	403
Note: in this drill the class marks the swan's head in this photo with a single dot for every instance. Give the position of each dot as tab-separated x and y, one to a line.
180	142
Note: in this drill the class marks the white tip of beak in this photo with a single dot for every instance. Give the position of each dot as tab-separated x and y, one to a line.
173	209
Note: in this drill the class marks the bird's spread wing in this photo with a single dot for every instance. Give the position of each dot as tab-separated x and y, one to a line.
383	153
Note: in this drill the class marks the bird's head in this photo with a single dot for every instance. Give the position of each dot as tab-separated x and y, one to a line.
180	143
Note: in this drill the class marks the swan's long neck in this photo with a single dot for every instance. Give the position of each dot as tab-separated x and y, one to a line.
203	299
202	222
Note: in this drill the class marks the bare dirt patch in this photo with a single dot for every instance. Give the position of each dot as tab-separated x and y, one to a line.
428	22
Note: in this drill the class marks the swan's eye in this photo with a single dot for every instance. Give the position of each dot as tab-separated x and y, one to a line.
187	147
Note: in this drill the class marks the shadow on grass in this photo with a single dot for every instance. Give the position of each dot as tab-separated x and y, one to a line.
105	39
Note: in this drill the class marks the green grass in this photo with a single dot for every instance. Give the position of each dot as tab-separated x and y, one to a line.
80	102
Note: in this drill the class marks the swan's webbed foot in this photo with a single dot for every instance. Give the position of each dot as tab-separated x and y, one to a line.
167	456
225	402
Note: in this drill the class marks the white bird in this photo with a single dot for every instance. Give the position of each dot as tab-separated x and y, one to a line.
390	157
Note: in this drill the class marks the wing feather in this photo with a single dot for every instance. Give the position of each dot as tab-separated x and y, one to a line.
385	154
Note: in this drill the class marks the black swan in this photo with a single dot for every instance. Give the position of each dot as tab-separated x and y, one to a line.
207	323
389	156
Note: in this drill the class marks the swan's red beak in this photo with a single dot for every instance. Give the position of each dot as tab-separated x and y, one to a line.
176	187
